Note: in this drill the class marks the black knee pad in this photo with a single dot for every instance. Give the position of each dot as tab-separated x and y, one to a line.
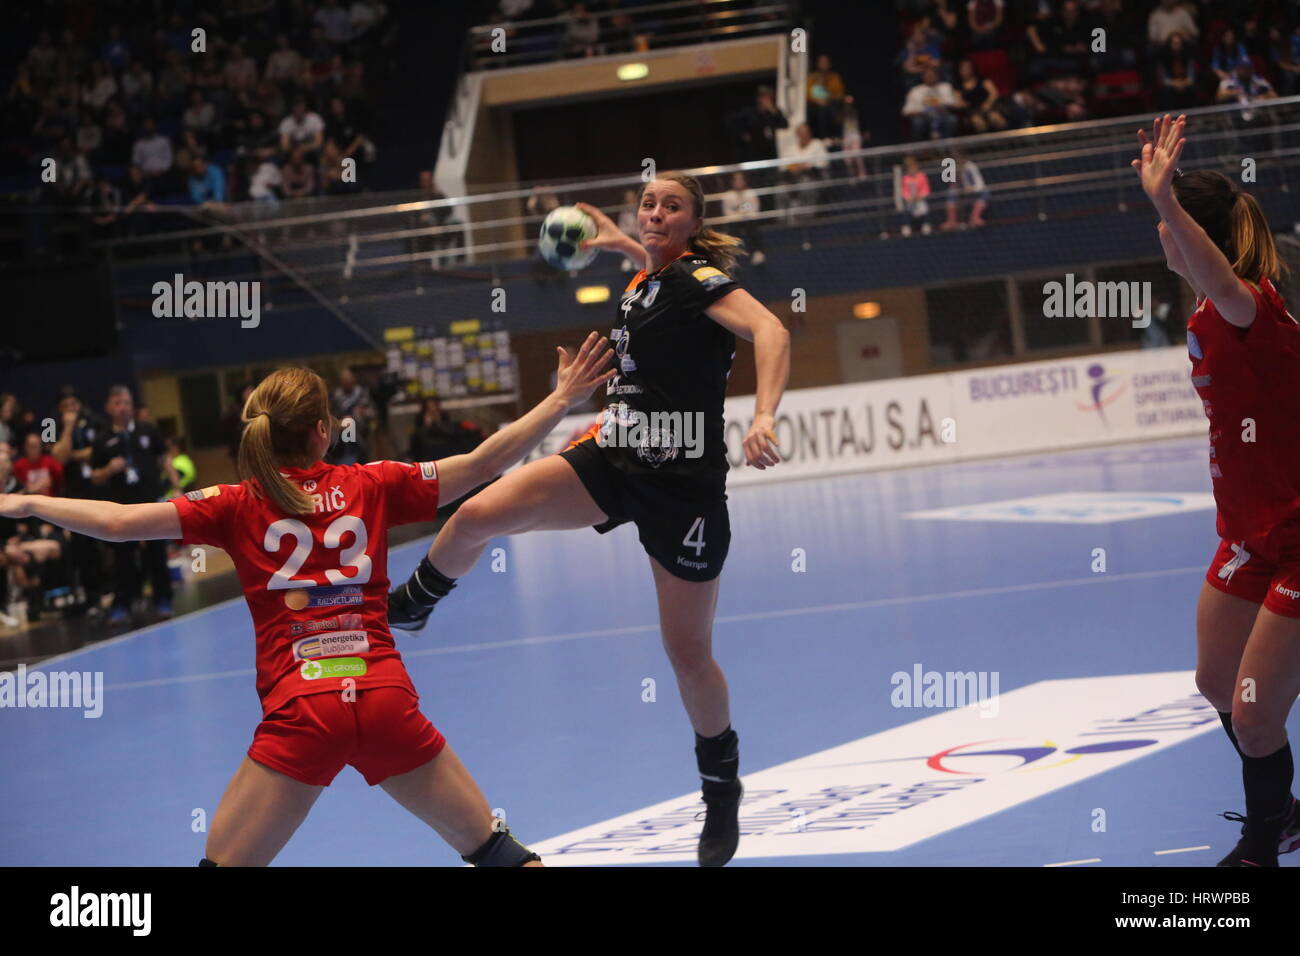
501	849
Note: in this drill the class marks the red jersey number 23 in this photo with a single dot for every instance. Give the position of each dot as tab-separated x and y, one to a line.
353	556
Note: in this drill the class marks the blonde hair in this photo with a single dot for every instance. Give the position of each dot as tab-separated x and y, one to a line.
718	247
1233	220
1253	241
279	418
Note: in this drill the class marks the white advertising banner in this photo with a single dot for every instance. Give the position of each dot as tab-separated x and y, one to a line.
956	416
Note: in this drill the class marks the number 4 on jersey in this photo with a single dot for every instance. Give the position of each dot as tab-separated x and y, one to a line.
697	529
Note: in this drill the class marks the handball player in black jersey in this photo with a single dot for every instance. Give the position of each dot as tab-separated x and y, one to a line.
656	458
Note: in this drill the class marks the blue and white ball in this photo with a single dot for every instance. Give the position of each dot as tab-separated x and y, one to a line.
563	231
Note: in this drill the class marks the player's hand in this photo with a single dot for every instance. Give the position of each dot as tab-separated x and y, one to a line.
761	444
578	375
14	506
608	235
1159	158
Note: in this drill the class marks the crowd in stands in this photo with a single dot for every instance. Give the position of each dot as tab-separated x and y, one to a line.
972	66
135	117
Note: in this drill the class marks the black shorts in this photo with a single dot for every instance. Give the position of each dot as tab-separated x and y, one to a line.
682	525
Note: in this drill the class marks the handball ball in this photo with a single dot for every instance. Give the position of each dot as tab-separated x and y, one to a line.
563	231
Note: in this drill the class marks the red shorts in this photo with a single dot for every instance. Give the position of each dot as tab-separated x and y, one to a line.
382	733
1263	571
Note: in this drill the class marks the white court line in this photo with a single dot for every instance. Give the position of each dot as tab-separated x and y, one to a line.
1183	849
723	619
1095	859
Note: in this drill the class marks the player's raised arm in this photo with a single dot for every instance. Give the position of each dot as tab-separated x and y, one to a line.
1208	269
746	317
105	520
576	378
609	236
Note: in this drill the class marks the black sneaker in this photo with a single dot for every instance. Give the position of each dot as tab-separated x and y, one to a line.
1258	845
721	833
405	614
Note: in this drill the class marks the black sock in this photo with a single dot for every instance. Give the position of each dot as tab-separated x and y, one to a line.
1268	783
206	862
427	585
718	757
1226	720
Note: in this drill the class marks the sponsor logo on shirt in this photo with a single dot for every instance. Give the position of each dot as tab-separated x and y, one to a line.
332	667
331	596
209	492
343	621
710	277
309	485
428	470
331	645
651	290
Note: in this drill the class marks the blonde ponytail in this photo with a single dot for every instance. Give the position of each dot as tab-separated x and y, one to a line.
279	418
1252	241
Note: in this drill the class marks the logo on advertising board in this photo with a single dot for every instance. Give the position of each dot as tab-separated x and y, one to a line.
945	771
1103	389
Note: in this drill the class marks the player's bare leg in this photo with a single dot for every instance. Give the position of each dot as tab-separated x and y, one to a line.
260	810
686	610
445	796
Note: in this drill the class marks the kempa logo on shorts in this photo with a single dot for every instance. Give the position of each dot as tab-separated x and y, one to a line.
81	689
1287	592
103	909
1105	300
208	300
332	667
656	437
697	565
331	645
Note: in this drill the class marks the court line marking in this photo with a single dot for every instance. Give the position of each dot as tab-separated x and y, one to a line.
722	619
1095	859
1182	849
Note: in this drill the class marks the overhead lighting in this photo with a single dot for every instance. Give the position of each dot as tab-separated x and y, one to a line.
588	294
866	310
633	71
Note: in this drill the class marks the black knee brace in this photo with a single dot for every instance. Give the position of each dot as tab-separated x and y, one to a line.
501	849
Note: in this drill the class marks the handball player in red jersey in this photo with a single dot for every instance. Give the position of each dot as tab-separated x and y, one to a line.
309	542
1245	352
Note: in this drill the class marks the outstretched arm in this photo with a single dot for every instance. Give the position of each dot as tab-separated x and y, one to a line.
1208	269
106	520
576	378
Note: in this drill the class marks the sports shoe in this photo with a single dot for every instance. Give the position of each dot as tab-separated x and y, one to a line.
1290	839
1258	845
404	613
721	833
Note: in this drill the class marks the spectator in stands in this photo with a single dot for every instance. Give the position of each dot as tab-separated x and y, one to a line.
115	138
265	183
329	171
806	171
581	32
1058	45
1286	58
1246	87
740	201
627	222
1226	54
343	127
929	108
38	472
334	22
42	58
753	130
298	177
1170	17
1122	31
977	99
76	432
852	138
137	86
984	19
178	467
968	186
152	151
9	432
912	197
921	53
99	88
350	404
137	192
825	100
126	469
106	205
301	129
199	123
285	65
1176	75
241	71
437	435
207	183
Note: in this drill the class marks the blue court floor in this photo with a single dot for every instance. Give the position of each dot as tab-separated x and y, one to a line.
539	674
